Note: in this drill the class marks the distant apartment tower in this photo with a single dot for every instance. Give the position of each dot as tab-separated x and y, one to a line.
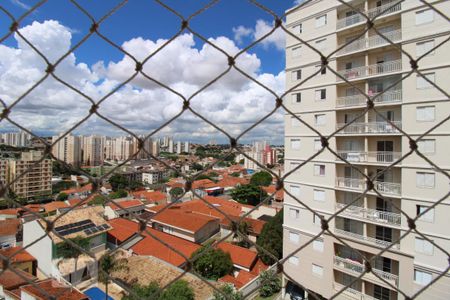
67	149
16	139
92	150
186	147
179	150
170	142
326	184
36	182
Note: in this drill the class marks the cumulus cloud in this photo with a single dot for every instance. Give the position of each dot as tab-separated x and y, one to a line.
262	27
233	102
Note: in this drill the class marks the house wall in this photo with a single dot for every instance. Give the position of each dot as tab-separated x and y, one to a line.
41	250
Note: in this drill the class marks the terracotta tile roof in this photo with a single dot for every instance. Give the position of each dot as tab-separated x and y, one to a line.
54	288
151	246
152	197
240	256
231	208
10	280
203	184
9	227
256	226
22	256
189	221
259	267
245	277
83	189
9	211
74	201
126	204
231	181
230	279
122	229
55	205
279	195
13	294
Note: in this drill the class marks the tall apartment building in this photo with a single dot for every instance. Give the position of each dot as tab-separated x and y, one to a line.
326	184
16	139
92	150
38	180
68	149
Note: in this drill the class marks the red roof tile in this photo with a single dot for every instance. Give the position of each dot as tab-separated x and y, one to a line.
22	256
190	221
10	280
230	279
203	184
245	277
279	195
9	211
151	246
122	229
55	205
125	204
9	227
230	181
239	255
53	288
256	226
151	196
83	189
259	267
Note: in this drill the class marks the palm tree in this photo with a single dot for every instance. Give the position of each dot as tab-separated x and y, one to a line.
66	250
108	263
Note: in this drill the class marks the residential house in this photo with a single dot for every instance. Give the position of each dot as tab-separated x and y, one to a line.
45	289
10	233
10	281
124	208
20	259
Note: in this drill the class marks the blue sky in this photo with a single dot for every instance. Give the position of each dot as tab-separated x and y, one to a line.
185	65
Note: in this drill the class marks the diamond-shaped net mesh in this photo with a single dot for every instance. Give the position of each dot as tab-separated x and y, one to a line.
368	184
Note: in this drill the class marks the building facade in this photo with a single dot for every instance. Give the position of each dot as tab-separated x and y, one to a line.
327	185
67	149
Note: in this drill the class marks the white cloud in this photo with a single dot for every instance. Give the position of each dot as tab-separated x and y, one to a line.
234	102
262	27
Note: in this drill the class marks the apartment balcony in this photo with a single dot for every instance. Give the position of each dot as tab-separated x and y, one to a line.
385	9
357	268
369	127
374	41
390	96
351	293
371	70
369	157
362	213
389	188
367	239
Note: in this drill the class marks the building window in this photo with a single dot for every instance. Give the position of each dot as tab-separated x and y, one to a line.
296	98
425	113
381	293
421	83
425	180
316	219
424	47
422	278
296	51
295	144
317	144
297	29
424	16
318	245
317	270
294	237
319	195
321	94
427	146
319	170
295	190
293	260
322	71
428	216
319	119
423	246
296	75
294	213
295	122
320	44
321	21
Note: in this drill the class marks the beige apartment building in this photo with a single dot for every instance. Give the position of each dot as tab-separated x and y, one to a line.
67	149
38	180
326	184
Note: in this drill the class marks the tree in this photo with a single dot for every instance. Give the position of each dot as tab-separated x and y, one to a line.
236	174
179	290
108	264
241	161
135	185
261	178
269	283
62	197
244	228
118	182
98	200
212	263
271	239
143	292
228	290
248	194
197	167
176	192
66	250
62	185
118	194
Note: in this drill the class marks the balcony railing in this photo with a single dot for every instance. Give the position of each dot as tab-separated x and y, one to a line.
369	127
357	267
377	11
382	187
371	156
358	100
359	212
370	240
370	42
354	294
371	70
